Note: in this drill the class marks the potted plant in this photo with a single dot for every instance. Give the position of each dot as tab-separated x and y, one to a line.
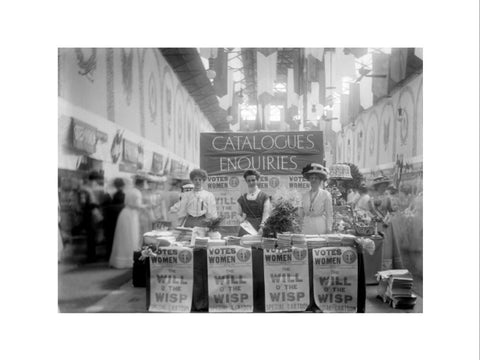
212	226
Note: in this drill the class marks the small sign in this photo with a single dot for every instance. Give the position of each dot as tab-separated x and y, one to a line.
230	280
335	278
84	137
157	163
286	279
130	152
171	280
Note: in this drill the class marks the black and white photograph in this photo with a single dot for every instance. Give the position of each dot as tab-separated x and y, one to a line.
287	180
240	180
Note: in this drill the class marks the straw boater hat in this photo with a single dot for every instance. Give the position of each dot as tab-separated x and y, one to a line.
187	186
314	168
381	180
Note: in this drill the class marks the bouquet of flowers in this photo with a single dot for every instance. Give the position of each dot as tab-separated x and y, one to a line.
284	217
213	224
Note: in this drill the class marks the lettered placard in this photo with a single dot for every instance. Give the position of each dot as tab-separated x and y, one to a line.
171	280
335	279
230	280
286	279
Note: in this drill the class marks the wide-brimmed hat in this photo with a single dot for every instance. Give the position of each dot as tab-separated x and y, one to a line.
188	186
381	180
314	168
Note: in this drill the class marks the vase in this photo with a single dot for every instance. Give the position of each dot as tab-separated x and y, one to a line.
214	235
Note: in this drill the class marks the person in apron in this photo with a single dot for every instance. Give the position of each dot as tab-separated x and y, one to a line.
316	208
198	205
253	206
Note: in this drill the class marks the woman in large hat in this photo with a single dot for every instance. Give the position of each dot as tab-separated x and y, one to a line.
316	208
382	207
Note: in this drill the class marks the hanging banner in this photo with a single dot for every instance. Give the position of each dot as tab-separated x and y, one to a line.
335	279
130	151
268	152
171	280
84	136
230	279
157	163
286	279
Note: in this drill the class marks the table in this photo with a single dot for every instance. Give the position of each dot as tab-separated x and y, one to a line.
141	276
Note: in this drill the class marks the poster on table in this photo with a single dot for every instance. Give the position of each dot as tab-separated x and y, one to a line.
171	280
278	156
335	279
230	279
286	279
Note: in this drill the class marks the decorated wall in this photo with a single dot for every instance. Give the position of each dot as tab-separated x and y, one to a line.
126	95
390	129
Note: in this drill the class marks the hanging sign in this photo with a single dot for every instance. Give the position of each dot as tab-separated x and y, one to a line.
267	152
286	279
84	136
171	280
335	279
230	280
157	163
130	151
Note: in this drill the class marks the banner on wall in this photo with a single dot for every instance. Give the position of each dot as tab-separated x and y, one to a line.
283	153
286	279
84	136
171	280
157	163
230	279
335	278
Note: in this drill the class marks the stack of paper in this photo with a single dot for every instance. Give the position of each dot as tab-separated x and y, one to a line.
269	243
315	241
159	238
232	240
183	234
216	242
201	242
300	239
251	240
396	287
284	240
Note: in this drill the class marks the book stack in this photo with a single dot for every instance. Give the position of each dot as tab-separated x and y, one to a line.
299	239
251	240
315	241
232	240
396	287
201	242
269	243
183	234
216	242
284	240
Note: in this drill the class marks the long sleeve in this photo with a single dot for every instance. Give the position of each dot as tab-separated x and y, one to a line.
329	211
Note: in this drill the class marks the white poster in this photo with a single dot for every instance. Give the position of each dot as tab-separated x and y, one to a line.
227	190
230	279
286	279
335	279
171	280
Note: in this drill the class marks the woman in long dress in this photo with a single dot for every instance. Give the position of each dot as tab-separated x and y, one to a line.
316	209
128	236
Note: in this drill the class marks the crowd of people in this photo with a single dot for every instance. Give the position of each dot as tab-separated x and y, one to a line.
123	210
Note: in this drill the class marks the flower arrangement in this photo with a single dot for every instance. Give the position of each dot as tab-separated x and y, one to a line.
213	224
284	217
148	251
